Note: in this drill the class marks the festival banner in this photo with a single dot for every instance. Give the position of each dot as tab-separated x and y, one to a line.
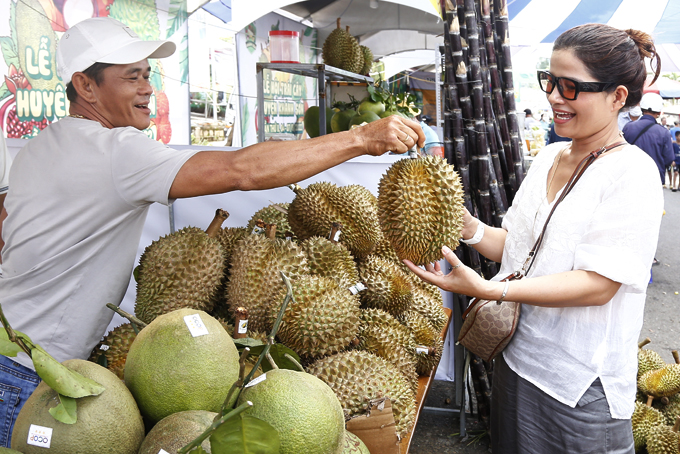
32	95
286	96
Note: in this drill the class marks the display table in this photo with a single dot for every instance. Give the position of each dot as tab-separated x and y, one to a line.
424	385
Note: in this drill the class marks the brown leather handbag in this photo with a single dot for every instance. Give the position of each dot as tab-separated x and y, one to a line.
488	326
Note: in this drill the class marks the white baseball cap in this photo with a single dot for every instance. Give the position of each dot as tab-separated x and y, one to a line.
652	102
104	40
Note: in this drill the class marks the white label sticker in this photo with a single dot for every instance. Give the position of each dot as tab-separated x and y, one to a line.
104	347
337	236
257	230
195	325
242	326
163	451
257	380
356	288
39	436
422	350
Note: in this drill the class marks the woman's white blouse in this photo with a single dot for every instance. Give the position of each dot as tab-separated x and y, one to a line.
609	223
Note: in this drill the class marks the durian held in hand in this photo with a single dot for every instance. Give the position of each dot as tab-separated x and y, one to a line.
420	208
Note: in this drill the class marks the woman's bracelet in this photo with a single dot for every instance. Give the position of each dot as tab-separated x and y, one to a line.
505	292
477	237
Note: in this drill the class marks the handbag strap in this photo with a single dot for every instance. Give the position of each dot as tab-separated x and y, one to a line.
578	172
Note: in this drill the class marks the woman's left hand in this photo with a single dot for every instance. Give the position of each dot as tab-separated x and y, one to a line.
461	279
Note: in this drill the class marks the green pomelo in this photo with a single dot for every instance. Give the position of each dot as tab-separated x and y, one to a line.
354	445
368	105
340	120
311	121
168	370
389	113
176	431
8	451
107	423
366	117
302	408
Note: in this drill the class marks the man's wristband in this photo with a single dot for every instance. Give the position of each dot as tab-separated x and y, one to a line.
477	237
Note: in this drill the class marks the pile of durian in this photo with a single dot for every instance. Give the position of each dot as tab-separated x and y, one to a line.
656	419
342	50
360	320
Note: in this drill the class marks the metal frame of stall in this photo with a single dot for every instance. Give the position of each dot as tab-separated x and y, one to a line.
321	72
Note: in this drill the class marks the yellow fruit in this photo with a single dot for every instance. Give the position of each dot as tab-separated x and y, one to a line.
109	423
169	370
302	408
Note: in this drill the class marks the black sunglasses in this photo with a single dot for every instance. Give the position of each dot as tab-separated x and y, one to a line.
569	88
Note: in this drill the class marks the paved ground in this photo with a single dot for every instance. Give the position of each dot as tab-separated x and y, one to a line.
437	432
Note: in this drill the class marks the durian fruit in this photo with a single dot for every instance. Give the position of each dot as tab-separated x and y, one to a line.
255	279
322	320
382	335
420	208
357	377
114	347
430	306
319	205
368	60
387	286
669	408
342	50
663	382
276	213
648	359
644	418
332	260
228	237
664	439
429	343
182	269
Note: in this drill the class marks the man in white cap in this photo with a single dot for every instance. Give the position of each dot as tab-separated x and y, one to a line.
646	133
81	189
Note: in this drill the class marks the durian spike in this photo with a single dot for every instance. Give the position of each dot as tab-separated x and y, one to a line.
334	236
676	357
216	224
649	400
270	231
644	342
676	426
241	318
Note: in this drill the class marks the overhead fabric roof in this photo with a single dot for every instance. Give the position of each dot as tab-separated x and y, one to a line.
535	22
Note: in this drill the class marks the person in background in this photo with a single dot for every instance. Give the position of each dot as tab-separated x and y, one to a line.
81	190
629	115
544	123
529	120
645	133
566	382
664	121
675	128
675	182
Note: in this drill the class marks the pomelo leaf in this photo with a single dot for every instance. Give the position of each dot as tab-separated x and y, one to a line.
9	348
66	410
245	434
278	351
62	379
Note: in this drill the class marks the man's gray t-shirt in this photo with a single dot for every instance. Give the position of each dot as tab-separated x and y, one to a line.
78	199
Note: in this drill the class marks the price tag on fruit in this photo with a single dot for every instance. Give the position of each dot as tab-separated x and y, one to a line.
39	436
195	325
422	350
163	451
242	326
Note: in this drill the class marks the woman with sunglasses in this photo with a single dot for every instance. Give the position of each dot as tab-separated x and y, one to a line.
566	383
